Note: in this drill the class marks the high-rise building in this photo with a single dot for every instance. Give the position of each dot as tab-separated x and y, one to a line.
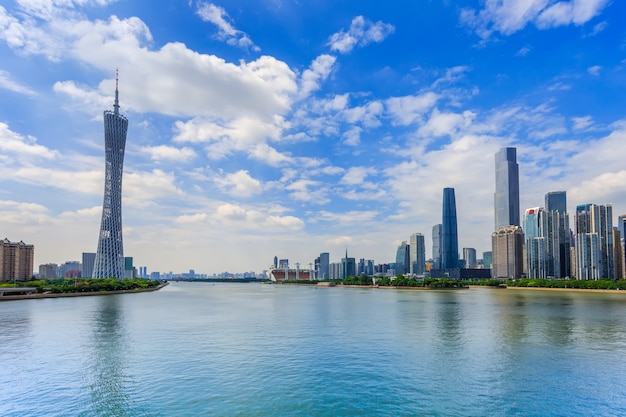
283	263
618	255
275	261
417	254
109	260
508	252
48	271
506	199
403	258
594	242
621	225
487	260
348	266
449	231
558	235
436	246
324	270
469	257
536	245
16	260
88	261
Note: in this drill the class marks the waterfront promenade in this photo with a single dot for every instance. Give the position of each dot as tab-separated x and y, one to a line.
33	296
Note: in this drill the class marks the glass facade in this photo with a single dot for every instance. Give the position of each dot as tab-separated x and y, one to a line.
506	199
449	231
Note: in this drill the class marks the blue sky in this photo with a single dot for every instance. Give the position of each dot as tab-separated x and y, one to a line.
262	128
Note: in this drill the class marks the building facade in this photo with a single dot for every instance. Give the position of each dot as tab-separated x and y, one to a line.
506	198
109	261
403	258
417	254
16	260
436	246
469	257
449	231
594	242
508	252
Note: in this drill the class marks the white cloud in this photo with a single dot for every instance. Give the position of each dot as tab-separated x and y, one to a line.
440	124
218	16
8	83
192	218
362	32
352	137
239	184
508	16
523	51
21	147
318	71
594	70
169	153
255	219
410	109
581	123
356	175
301	190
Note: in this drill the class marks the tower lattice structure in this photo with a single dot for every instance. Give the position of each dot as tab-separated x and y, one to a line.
109	260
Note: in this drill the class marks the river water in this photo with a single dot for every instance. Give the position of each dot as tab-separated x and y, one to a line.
195	349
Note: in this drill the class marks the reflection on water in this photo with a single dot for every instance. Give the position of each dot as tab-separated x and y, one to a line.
105	364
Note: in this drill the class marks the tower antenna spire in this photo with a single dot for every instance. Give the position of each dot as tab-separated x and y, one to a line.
116	106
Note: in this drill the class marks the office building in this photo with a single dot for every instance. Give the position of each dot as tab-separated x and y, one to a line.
417	254
506	199
348	266
558	235
618	255
48	271
594	242
88	261
16	260
403	258
324	266
508	252
109	261
436	246
487	259
449	231
536	245
469	258
283	263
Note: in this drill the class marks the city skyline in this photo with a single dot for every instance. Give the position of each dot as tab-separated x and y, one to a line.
254	131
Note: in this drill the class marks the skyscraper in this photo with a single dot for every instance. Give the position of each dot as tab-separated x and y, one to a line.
506	199
436	246
449	231
594	241
109	260
403	258
324	270
557	233
417	254
508	247
86	268
469	256
536	242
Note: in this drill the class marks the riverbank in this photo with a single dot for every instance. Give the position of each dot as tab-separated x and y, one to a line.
79	294
585	290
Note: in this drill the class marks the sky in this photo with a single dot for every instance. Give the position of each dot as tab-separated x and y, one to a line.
262	128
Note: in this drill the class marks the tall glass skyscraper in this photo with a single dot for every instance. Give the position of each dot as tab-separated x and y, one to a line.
417	254
594	241
403	258
449	231
506	199
437	246
109	260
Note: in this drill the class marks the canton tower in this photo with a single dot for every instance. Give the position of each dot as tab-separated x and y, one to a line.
109	261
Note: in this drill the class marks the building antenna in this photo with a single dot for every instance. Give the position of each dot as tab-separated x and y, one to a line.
116	106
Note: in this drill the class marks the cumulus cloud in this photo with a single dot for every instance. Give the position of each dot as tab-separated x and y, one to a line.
169	153
239	184
409	109
318	71
23	148
362	32
254	219
508	17
356	175
214	14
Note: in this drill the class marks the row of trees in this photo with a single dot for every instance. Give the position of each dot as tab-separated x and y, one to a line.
402	281
68	285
